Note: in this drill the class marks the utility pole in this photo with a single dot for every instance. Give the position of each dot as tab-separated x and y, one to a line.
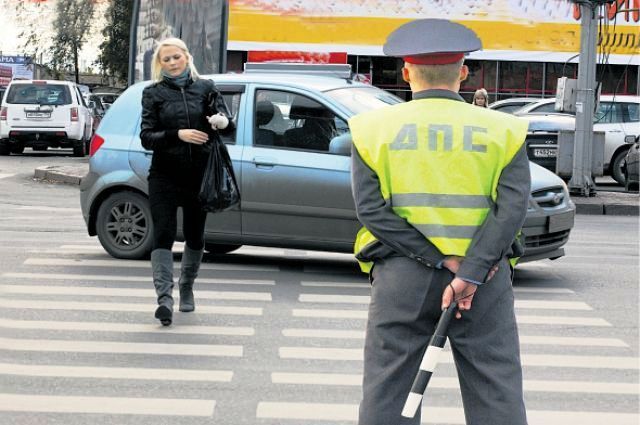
581	183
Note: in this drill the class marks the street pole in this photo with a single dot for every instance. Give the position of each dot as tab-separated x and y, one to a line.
581	183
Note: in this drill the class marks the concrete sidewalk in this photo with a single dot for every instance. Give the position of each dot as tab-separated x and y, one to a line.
604	203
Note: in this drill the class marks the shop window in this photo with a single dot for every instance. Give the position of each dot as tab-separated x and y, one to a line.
490	69
474	80
513	77
555	71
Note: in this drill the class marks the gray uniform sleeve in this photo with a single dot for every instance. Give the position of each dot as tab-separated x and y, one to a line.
493	240
378	217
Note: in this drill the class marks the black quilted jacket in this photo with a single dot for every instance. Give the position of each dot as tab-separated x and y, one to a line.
167	108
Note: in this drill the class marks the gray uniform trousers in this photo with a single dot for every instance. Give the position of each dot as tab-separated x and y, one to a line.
404	309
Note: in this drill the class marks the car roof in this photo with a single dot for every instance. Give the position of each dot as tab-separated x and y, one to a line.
41	81
549	122
515	100
306	81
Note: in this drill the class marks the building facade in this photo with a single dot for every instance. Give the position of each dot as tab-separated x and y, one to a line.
528	44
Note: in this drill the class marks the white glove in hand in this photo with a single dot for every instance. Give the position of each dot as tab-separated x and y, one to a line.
218	122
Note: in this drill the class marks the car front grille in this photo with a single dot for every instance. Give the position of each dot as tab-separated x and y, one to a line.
547	239
551	197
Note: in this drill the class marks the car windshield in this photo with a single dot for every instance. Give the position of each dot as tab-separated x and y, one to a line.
362	99
39	94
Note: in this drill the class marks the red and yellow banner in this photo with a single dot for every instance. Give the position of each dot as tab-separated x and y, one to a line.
503	25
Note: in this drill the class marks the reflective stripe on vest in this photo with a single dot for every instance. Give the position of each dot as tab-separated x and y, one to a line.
438	162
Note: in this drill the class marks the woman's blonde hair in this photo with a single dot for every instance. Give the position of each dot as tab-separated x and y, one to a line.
156	68
483	93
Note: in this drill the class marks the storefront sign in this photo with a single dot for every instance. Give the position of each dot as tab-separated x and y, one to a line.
533	30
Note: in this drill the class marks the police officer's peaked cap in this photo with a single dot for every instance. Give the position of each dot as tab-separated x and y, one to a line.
431	42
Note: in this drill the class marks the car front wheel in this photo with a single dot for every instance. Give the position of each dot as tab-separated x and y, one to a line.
124	225
617	169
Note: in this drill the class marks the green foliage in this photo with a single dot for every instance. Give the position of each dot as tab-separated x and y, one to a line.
114	50
72	23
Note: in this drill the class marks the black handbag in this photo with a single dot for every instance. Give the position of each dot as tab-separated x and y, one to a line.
219	189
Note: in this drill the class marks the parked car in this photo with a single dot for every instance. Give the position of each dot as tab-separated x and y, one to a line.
511	105
295	182
97	110
107	98
631	167
542	137
618	117
42	114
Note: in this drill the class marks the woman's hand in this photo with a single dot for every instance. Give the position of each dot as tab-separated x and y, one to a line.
196	137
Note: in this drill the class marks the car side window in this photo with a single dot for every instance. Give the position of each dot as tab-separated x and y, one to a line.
232	99
546	108
608	113
293	121
633	112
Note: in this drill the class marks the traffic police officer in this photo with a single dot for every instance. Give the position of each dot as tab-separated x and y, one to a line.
441	188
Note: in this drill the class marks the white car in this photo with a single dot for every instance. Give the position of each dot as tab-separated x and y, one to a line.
513	104
618	117
42	114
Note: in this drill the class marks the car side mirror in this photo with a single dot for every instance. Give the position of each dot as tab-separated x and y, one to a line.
341	145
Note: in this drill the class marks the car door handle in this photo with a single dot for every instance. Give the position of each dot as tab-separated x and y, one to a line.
264	161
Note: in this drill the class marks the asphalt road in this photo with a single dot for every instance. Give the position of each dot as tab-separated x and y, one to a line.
277	334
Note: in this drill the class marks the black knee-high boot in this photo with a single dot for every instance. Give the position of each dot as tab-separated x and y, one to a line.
191	260
162	265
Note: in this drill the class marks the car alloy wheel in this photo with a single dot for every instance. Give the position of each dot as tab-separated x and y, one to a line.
124	225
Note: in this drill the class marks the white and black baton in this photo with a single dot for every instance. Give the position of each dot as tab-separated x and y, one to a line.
429	362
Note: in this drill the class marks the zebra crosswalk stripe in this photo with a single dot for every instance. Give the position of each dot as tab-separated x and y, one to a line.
51	345
433	414
564	361
130	307
127	292
106	405
524	339
364	299
116	373
7	323
343	379
520	318
112	278
74	262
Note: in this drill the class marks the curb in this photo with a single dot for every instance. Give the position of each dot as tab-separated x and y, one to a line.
607	209
53	174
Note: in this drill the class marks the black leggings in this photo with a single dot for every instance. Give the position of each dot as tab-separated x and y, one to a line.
165	196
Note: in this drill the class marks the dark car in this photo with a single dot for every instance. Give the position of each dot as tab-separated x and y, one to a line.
542	137
631	167
97	110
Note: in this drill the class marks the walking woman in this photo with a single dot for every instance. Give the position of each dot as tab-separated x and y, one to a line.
181	115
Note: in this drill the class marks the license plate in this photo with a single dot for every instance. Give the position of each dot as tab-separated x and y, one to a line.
560	222
545	153
38	114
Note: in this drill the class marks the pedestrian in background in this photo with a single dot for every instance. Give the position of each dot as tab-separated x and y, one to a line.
181	115
441	188
481	98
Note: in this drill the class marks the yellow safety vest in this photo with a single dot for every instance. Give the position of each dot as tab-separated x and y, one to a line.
438	162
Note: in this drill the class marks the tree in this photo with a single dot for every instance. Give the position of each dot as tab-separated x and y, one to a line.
72	23
34	17
114	50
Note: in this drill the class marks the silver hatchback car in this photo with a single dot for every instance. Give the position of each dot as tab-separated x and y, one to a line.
289	155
